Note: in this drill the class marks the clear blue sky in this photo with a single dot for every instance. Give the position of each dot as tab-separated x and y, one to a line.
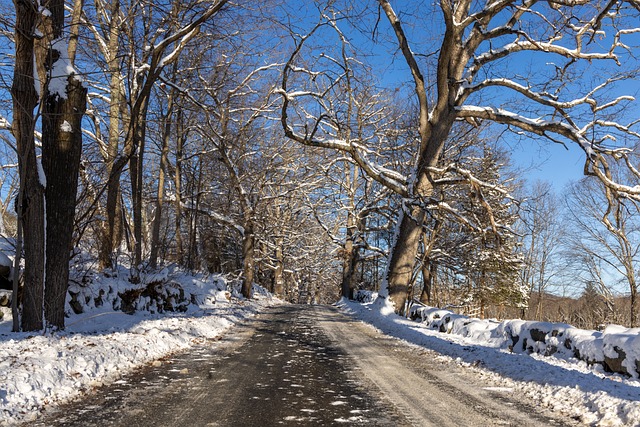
550	162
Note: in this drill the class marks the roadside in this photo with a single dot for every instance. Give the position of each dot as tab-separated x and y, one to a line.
566	388
428	389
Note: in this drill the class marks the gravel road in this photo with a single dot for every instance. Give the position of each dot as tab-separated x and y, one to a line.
300	365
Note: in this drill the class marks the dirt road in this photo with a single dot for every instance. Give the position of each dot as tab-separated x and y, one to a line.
299	365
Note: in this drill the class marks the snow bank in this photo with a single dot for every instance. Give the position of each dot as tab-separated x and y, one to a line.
617	349
589	376
167	290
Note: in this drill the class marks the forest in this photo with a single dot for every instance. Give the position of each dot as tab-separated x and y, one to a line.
322	147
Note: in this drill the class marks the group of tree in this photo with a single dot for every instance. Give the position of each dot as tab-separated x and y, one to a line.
270	141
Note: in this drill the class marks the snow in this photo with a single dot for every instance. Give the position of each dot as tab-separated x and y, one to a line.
548	373
66	127
44	11
61	70
101	344
42	178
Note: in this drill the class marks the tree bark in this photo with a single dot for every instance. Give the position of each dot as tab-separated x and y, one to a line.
278	274
248	245
157	220
136	170
61	150
112	227
350	259
428	273
192	248
31	191
180	139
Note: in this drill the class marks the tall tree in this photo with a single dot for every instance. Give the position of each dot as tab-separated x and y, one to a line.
63	107
490	260
542	238
606	231
30	206
472	82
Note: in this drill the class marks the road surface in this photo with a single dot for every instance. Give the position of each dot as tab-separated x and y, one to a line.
300	365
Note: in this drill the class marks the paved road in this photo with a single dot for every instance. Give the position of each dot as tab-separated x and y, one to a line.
299	365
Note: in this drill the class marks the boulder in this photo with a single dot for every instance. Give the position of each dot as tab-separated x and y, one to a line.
614	364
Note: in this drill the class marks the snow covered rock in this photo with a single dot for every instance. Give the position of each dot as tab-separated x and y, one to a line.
617	349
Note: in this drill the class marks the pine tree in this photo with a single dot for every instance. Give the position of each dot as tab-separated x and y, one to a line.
489	258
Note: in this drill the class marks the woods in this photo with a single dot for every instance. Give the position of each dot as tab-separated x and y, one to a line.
324	148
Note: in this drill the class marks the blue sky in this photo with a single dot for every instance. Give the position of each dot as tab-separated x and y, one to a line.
549	162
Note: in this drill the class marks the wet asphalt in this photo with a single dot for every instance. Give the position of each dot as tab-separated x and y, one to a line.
278	369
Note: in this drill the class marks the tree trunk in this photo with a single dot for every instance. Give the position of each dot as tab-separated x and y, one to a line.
157	220
180	138
634	311
347	270
278	274
31	191
136	170
403	257
633	290
428	273
248	243
62	112
112	227
61	151
192	249
349	260
404	250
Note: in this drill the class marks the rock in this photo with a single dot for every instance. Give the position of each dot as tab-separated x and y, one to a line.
154	296
514	341
538	335
74	303
5	299
568	344
614	364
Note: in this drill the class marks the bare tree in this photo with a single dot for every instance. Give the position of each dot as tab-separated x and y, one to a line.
606	231
542	240
63	107
165	34
472	50
30	206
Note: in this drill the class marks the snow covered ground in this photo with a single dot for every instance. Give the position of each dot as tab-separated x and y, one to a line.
101	345
564	384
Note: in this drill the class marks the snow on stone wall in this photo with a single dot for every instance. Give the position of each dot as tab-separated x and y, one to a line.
616	348
158	292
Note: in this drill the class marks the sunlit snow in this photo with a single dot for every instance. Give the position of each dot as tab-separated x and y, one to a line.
563	384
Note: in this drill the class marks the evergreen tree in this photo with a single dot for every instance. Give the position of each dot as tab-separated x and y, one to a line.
489	258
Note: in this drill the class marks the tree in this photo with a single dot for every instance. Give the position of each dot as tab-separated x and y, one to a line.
150	41
592	310
542	241
490	259
473	82
606	231
30	206
63	107
47	198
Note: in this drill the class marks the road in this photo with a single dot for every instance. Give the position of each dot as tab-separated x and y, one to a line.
300	365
